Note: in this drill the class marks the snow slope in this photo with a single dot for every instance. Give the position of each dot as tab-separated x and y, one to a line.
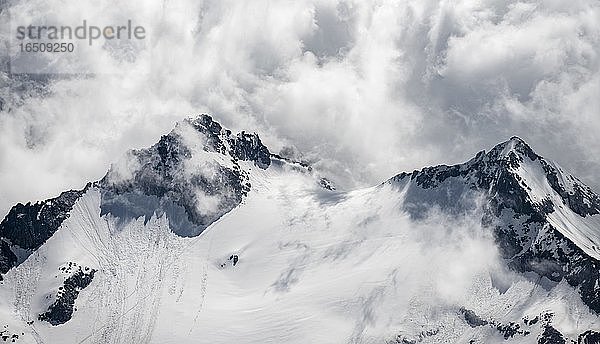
207	237
583	231
314	266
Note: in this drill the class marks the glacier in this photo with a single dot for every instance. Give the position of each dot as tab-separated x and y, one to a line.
500	249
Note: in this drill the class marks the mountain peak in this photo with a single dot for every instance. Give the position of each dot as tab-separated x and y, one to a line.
242	146
512	150
543	221
517	140
549	218
196	160
516	143
204	123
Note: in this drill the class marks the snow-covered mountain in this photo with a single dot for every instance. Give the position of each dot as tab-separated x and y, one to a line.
545	220
207	237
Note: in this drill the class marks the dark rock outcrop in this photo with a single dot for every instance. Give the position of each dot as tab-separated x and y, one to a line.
7	258
551	336
589	337
28	226
62	309
163	184
525	237
472	318
158	186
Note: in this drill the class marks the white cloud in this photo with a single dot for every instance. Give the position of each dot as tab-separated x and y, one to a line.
364	89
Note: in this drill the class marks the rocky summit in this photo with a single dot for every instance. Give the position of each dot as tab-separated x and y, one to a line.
238	244
542	217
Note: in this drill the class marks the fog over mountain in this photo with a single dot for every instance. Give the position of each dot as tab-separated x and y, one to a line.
363	89
207	236
329	171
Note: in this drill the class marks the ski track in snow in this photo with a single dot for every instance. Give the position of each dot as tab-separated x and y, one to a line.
204	286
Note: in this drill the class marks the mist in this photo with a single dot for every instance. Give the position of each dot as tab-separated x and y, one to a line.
362	90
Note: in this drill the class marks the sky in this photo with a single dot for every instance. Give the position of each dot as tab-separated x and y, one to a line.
361	89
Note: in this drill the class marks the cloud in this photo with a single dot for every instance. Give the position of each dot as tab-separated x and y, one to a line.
414	275
364	89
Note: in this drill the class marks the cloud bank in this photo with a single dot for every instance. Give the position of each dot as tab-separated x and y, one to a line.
363	89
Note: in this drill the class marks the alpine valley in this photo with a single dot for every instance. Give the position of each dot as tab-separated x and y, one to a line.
208	237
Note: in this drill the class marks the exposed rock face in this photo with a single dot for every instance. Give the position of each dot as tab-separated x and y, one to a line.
589	337
243	146
472	318
507	331
28	226
62	309
521	193
165	179
197	173
168	179
7	258
551	336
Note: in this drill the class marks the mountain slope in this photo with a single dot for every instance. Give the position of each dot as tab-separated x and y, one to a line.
192	174
545	220
207	237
